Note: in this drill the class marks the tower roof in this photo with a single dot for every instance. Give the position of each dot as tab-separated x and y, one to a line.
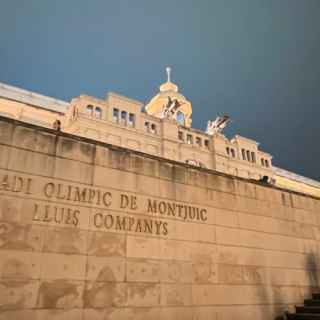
168	86
168	94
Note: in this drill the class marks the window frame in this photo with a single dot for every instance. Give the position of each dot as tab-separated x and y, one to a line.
115	115
124	117
91	108
153	128
98	112
189	138
132	122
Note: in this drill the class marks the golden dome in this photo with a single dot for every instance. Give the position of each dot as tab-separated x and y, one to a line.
168	86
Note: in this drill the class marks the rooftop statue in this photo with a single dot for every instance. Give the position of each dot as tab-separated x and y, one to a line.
171	108
217	125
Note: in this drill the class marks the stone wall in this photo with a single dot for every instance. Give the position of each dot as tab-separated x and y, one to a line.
90	231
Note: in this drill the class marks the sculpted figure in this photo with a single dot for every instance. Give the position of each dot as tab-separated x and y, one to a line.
171	108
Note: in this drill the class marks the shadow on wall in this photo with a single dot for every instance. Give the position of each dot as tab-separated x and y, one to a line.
279	307
311	266
274	306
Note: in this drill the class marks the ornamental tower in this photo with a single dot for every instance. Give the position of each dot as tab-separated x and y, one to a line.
169	103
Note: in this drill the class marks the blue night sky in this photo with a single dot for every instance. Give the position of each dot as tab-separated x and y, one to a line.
255	60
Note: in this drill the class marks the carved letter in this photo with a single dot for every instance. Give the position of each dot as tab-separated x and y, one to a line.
95	220
172	209
180	206
69	217
133	203
121	223
76	214
91	195
28	188
148	226
165	228
56	213
124	201
35	213
138	226
158	225
46	216
131	223
203	214
17	184
80	196
110	225
152	206
162	207
5	183
59	196
192	213
107	199
49	189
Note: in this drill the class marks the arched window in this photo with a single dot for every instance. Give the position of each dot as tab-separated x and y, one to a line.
228	150
233	153
253	156
248	155
115	115
153	128
147	126
180	118
243	154
189	139
132	120
89	110
98	112
124	117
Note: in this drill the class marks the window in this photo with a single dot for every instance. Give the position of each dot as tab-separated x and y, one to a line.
248	155
206	143
253	157
89	110
115	115
147	126
132	119
180	118
124	117
228	150
180	135
233	153
189	139
198	141
98	113
266	163
243	154
153	128
262	162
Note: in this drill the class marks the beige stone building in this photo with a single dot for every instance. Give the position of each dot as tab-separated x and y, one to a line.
127	213
94	231
125	122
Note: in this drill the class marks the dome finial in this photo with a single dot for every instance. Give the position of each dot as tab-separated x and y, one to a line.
168	86
168	70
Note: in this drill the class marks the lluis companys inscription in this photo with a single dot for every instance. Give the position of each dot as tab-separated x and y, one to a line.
150	219
55	214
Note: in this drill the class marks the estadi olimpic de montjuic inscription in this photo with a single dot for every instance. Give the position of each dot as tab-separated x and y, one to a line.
93	232
80	197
